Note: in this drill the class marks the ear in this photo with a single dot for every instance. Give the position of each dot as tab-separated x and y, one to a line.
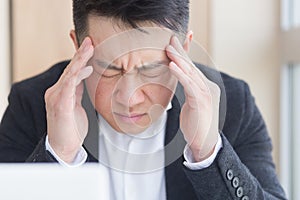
187	41
74	39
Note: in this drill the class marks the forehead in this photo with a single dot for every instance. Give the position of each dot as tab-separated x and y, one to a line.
101	29
112	39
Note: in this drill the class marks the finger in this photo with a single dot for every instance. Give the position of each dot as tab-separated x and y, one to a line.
178	59
83	55
70	85
80	59
79	93
178	46
187	83
175	43
84	73
189	68
191	71
72	76
195	82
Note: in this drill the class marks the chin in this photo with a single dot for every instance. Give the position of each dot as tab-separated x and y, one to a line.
133	129
131	126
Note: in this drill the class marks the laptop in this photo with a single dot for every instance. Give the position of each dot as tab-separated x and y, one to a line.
52	182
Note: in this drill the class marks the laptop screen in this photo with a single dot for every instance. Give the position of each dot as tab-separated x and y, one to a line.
52	182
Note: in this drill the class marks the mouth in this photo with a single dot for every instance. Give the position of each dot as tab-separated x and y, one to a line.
129	118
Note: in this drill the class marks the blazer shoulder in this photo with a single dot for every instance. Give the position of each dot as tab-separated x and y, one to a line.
237	104
27	96
42	81
231	85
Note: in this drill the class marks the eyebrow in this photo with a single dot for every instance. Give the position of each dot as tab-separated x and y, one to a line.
105	65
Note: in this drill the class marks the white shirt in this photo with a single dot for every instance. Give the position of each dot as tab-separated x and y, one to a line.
135	163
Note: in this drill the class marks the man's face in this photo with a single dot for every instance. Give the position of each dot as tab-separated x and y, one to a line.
131	84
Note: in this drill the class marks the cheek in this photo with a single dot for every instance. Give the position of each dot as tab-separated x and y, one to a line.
165	96
159	98
159	94
103	96
162	92
99	92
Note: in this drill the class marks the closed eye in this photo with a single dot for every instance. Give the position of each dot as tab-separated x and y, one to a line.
107	70
153	71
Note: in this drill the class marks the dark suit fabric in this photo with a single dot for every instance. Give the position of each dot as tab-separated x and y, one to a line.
246	151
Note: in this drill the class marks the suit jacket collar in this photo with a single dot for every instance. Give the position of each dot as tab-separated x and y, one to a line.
177	184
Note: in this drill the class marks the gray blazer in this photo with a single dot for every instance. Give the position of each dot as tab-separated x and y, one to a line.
243	169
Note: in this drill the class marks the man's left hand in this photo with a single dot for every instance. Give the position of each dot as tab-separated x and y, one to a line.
199	116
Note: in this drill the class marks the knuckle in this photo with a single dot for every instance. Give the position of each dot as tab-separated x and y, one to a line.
49	102
69	82
214	87
58	107
68	73
48	93
79	58
67	78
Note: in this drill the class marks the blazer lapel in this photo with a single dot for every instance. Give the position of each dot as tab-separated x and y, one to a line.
91	142
177	184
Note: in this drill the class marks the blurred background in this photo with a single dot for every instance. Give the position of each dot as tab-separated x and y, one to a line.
257	41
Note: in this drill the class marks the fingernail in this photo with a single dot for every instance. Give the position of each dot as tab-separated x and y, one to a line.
170	48
89	69
86	45
172	64
176	40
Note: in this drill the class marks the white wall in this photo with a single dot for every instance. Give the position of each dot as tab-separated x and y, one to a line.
244	42
44	39
296	135
4	55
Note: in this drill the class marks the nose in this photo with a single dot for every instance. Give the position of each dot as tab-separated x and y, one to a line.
129	91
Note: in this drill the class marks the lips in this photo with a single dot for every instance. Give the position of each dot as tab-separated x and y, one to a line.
129	118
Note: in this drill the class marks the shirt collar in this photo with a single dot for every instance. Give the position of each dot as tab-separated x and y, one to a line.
155	133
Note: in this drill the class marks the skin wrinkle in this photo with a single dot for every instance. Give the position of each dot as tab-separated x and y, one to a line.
135	51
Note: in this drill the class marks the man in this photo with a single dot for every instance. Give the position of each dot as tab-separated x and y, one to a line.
130	58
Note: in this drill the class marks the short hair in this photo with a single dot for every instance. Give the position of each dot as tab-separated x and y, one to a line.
172	14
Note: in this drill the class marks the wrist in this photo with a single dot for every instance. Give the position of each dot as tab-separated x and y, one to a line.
65	153
201	154
202	150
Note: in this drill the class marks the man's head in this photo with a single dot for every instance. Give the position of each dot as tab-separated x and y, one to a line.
131	84
172	14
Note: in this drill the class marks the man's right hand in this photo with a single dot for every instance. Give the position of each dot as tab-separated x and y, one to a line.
67	123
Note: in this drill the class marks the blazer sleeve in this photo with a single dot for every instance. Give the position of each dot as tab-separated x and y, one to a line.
40	154
23	127
243	168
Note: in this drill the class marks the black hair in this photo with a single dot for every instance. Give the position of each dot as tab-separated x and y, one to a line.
172	14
